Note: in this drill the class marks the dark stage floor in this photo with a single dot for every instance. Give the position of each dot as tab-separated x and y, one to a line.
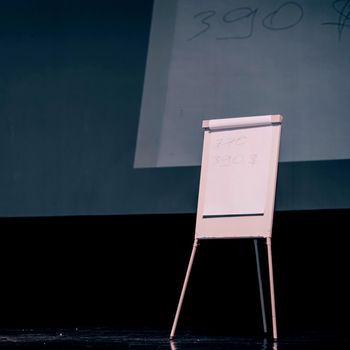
116	276
101	338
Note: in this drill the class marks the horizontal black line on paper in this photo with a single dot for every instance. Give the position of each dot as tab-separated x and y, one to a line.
230	215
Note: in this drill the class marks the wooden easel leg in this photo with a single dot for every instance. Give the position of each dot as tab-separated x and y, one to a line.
173	329
272	290
262	300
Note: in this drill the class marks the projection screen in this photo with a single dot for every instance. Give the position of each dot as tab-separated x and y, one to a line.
220	58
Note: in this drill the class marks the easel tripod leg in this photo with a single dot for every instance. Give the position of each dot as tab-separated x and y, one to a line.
262	301
272	290
173	329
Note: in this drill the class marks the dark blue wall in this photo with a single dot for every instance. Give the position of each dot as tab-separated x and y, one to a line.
71	79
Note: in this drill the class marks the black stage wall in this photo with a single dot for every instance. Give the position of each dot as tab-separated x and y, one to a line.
127	272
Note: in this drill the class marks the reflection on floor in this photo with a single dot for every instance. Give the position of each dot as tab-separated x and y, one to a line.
101	338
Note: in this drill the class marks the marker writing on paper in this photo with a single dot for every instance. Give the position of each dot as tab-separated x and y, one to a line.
228	160
233	141
252	159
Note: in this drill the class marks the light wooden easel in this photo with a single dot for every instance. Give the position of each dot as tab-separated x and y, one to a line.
240	137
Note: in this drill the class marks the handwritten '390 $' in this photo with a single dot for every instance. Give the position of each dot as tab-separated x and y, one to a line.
286	16
228	160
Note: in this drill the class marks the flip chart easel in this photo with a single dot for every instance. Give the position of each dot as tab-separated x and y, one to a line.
237	190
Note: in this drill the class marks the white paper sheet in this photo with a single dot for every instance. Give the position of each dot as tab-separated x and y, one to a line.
237	174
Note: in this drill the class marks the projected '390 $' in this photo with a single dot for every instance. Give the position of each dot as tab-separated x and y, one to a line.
242	21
